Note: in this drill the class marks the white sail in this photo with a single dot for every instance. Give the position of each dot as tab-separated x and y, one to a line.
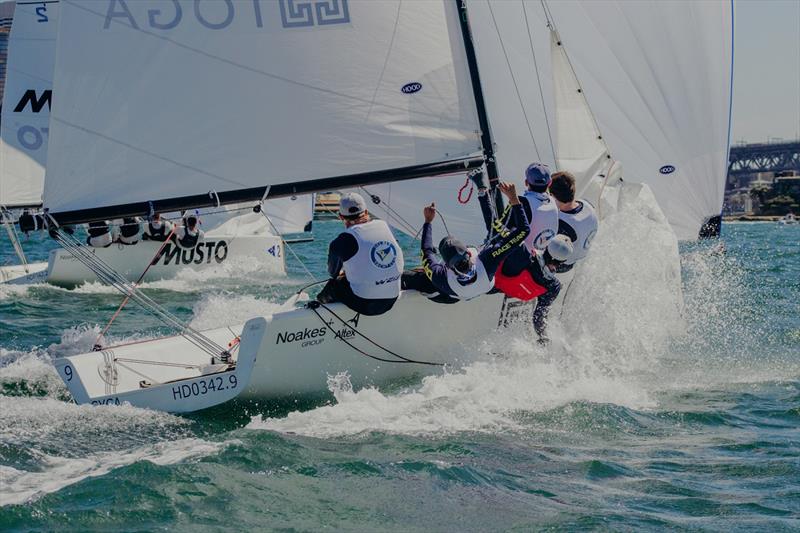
580	148
292	214
656	76
163	99
24	125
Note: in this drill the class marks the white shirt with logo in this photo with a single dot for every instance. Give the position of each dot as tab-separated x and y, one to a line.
374	271
543	221
479	287
581	228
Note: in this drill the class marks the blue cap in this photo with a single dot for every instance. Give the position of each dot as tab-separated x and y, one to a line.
538	175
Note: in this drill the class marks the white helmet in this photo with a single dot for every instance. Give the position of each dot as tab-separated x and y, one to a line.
560	247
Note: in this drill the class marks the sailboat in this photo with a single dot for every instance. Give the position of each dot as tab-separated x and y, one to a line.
401	101
24	134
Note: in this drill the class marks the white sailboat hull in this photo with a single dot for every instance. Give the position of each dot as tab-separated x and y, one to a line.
130	261
24	274
288	354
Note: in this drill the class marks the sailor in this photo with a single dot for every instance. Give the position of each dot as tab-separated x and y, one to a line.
526	273
99	234
365	262
129	230
189	234
539	207
158	229
465	272
576	218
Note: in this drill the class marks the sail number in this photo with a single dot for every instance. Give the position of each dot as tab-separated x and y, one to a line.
204	386
274	250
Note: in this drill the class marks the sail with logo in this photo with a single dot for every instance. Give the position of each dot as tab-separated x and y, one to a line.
398	102
23	152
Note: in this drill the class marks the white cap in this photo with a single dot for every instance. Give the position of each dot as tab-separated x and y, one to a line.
351	203
560	247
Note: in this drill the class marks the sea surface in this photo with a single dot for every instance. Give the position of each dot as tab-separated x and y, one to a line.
658	405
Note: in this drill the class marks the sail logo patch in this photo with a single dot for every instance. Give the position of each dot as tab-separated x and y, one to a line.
667	169
411	88
306	13
383	254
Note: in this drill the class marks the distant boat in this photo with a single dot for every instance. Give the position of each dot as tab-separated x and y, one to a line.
787	219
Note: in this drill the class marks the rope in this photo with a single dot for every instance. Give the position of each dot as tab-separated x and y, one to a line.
97	344
514	80
344	322
539	80
14	236
108	275
286	244
461	190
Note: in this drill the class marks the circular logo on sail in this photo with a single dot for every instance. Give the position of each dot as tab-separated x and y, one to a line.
383	254
667	169
411	88
541	240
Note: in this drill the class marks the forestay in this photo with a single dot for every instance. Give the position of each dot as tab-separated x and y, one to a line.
165	99
24	124
656	76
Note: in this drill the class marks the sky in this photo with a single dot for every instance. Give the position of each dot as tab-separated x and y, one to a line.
766	82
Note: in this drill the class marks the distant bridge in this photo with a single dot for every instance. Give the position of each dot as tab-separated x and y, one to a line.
767	157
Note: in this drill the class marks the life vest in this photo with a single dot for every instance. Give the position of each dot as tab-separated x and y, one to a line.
129	231
482	284
374	271
522	286
189	239
160	232
99	235
580	225
543	220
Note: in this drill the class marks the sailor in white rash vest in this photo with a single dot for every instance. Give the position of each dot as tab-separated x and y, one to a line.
365	262
99	235
189	234
539	207
576	218
157	229
129	230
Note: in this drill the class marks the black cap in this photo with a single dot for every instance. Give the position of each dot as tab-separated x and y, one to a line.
453	251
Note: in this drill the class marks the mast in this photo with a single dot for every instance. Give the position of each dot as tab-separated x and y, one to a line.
483	120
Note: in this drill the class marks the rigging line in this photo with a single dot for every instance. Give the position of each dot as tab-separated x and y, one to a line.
390	210
14	237
513	79
359	350
539	81
387	350
286	244
111	277
135	285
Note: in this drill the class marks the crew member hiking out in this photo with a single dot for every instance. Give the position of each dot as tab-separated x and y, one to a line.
157	229
576	218
365	262
99	234
465	272
130	229
525	273
190	234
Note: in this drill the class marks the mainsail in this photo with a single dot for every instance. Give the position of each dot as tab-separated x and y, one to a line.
167	105
24	125
656	76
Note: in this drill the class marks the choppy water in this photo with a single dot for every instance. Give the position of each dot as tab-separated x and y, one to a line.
646	412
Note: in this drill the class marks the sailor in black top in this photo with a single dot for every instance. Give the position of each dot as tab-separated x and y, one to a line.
189	234
157	229
130	229
99	234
